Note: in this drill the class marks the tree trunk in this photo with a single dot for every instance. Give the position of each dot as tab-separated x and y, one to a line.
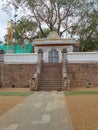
41	30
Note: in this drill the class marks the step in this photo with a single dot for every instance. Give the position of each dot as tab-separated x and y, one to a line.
48	88
50	84
53	73
51	77
41	82
51	68
50	80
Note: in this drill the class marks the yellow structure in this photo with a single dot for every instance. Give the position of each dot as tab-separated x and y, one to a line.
10	32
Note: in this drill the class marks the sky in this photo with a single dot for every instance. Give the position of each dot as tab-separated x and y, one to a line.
3	24
4	17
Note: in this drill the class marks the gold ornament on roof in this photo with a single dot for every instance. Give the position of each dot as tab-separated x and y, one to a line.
53	36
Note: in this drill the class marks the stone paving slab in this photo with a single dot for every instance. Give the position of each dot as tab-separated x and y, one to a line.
40	111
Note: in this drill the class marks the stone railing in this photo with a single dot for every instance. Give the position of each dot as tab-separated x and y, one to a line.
35	79
65	79
21	58
82	57
64	75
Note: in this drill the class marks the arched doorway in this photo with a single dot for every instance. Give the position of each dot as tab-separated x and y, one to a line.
53	56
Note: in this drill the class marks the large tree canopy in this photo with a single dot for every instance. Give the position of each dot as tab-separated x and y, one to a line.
59	14
75	17
25	29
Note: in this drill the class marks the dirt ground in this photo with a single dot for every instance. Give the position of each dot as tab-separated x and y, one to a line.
85	89
14	89
8	102
84	110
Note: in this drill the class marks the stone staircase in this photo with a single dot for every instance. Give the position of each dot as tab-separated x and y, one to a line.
51	77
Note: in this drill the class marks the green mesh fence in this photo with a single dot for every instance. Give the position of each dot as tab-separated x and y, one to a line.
17	48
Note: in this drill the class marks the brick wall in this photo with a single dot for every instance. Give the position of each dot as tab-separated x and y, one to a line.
16	74
79	73
19	74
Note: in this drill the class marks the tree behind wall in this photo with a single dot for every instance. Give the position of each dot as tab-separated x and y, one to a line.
25	29
87	30
59	14
64	15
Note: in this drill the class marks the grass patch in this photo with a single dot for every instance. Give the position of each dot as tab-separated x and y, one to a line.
15	93
68	93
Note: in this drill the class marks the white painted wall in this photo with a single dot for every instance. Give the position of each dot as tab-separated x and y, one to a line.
48	48
32	58
27	58
82	57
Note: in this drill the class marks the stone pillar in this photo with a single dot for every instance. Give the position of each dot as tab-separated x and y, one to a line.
1	63
40	55
2	56
64	55
65	84
64	60
40	59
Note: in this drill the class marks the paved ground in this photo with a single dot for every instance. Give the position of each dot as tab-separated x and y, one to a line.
40	111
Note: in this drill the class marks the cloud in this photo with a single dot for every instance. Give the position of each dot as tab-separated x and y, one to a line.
2	31
4	17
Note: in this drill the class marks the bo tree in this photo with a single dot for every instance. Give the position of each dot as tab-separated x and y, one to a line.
59	14
62	15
